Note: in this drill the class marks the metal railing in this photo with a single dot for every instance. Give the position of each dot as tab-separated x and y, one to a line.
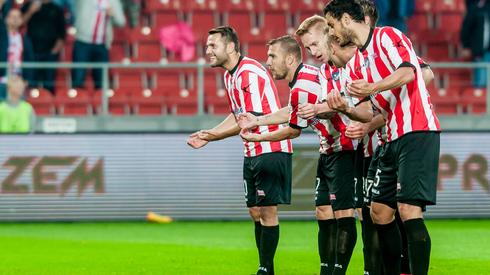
200	66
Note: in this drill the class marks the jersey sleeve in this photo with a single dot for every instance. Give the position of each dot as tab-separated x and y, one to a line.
299	96
398	48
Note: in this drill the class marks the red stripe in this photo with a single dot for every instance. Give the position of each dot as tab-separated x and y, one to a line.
96	28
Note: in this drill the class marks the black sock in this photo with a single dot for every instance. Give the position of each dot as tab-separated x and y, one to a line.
390	244
327	238
418	246
372	254
268	245
258	232
405	262
346	241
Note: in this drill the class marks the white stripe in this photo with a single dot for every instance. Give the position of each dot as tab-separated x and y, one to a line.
302	98
255	94
308	85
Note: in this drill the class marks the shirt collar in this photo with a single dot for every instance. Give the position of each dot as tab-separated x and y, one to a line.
371	30
291	84
236	66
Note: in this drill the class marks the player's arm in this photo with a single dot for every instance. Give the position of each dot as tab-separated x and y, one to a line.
226	128
319	110
363	112
427	74
359	130
250	121
401	76
281	134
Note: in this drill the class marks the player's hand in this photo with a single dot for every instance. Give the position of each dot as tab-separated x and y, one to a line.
247	121
307	110
249	136
361	88
207	135
195	142
35	6
356	130
337	102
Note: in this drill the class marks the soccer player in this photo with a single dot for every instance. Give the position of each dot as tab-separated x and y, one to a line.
408	165
267	165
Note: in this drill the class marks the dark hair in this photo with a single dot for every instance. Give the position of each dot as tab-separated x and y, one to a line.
229	34
336	8
370	10
288	43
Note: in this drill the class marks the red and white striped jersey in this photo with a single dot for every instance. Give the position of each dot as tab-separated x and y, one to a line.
304	88
334	132
250	88
407	108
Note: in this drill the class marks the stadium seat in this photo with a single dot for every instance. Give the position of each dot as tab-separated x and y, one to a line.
119	52
436	52
277	5
144	34
201	5
446	101
119	103
201	22
74	102
148	102
164	18
474	100
166	5
441	6
183	102
243	21
42	101
420	22
239	5
308	6
424	5
215	98
122	34
283	92
450	26
257	50
279	19
67	52
167	81
147	52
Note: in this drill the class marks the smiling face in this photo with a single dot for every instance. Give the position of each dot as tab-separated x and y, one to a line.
276	61
314	42
216	50
339	29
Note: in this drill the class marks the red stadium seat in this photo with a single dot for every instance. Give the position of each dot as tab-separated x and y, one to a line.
67	53
74	102
420	22
147	52
215	98
183	102
446	101
279	19
42	101
129	79
424	5
122	35
201	5
475	100
449	6
119	103
239	5
308	6
257	50
201	22
165	18
167	81
277	5
283	91
167	5
244	22
145	34
148	102
437	52
119	52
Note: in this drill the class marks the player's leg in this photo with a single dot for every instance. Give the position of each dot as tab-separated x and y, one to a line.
419	162
358	199
342	191
327	225
383	208
405	262
251	199
273	185
372	255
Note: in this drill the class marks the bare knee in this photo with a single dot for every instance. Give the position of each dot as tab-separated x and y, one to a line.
324	212
254	213
268	215
409	212
344	213
382	213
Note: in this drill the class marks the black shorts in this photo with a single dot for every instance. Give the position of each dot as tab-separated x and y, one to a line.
407	170
370	168
267	179
335	180
359	172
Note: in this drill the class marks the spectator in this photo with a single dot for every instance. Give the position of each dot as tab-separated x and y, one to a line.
17	49
132	8
68	6
94	20
394	13
475	37
47	29
16	115
5	6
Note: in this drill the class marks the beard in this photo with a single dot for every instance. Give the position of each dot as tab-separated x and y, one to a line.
346	37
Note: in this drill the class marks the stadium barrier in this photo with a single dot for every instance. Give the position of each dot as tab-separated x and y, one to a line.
124	176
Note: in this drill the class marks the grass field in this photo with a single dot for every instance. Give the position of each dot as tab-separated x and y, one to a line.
459	247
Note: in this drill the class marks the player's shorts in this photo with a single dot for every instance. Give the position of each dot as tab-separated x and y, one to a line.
407	170
335	180
267	179
359	172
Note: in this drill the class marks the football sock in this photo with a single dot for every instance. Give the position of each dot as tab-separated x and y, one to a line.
419	245
268	245
390	244
327	238
346	240
372	254
405	263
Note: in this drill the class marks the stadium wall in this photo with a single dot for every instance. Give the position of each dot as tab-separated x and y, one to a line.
123	176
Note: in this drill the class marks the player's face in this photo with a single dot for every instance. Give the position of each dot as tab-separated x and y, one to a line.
276	62
341	55
338	30
314	42
216	50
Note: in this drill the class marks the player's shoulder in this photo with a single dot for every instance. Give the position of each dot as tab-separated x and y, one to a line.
249	65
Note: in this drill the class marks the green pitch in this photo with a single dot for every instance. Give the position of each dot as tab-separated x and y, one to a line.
459	247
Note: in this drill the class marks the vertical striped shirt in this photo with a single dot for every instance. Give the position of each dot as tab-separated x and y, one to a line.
250	89
406	108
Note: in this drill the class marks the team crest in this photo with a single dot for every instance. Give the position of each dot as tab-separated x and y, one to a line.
336	76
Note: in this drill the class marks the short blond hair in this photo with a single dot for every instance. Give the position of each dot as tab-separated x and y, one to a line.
308	23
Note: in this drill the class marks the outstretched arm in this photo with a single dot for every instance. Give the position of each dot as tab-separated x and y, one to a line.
226	128
281	134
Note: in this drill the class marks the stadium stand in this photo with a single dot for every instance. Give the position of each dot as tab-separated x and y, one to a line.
434	29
